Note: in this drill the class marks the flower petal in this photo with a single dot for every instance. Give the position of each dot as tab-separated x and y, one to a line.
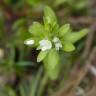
44	45
29	42
57	43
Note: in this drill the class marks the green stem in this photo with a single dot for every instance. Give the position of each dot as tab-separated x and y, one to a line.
42	85
35	83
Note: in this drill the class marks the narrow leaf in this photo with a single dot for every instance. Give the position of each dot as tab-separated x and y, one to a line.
35	82
76	36
36	29
68	47
51	63
18	24
49	16
64	29
41	56
59	2
25	63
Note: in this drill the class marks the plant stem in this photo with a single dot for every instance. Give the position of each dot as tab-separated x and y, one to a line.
43	84
35	82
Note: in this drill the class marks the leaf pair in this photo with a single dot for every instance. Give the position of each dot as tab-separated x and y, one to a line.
72	37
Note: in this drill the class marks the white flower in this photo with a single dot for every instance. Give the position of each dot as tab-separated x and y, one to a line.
29	42
44	45
57	42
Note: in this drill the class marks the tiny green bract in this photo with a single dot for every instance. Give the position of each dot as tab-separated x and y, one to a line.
50	38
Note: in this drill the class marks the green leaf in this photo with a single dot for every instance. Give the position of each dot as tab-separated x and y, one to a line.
76	36
36	29
10	91
51	63
49	17
22	34
59	2
25	63
33	2
41	56
19	23
64	29
68	47
81	5
35	82
24	88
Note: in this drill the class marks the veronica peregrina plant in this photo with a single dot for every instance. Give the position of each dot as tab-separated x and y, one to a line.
50	38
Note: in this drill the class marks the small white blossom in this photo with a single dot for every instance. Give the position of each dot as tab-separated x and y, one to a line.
29	42
57	42
44	45
55	39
